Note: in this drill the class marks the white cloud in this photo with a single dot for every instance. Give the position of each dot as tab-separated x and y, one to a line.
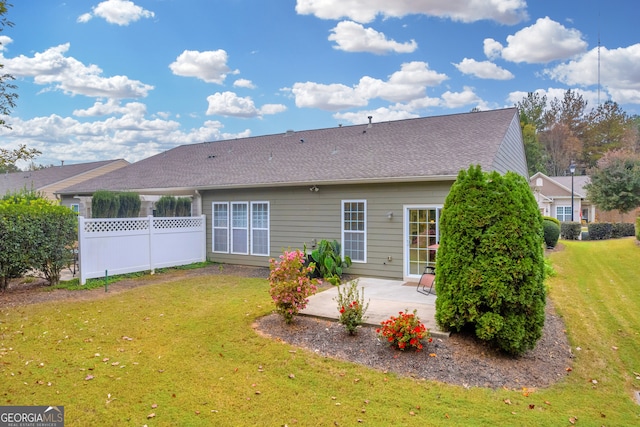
492	48
52	67
503	11
353	37
4	41
231	105
247	84
131	136
210	66
483	69
382	114
542	42
119	12
331	97
619	72
112	107
410	82
460	99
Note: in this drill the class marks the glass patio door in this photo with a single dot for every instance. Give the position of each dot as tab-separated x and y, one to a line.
422	238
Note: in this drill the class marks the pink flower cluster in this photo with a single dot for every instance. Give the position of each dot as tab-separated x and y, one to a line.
290	285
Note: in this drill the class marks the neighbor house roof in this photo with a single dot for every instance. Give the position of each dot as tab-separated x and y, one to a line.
561	185
403	150
51	179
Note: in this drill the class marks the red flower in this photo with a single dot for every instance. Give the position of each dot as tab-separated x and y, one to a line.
341	310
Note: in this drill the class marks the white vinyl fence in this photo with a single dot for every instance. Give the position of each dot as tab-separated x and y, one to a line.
126	245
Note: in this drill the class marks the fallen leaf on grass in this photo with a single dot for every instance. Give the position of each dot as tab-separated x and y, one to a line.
127	338
573	420
507	401
88	377
151	415
532	406
154	406
432	355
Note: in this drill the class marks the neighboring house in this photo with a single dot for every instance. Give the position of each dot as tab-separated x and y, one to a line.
377	188
50	180
553	194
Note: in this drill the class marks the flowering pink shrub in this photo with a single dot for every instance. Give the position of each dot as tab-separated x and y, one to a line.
404	331
290	285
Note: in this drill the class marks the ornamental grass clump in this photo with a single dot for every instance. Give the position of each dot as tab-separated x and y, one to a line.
290	285
351	306
404	331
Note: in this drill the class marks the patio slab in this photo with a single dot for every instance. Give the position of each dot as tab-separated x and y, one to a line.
386	298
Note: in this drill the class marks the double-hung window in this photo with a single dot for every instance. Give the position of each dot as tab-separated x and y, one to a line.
220	226
239	227
260	228
563	213
354	229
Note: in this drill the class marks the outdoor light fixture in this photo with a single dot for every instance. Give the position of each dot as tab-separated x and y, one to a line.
572	169
390	215
314	189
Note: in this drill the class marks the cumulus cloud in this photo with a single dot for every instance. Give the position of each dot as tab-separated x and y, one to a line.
353	37
231	105
460	99
542	42
65	73
247	84
131	136
410	82
210	66
119	12
4	41
619	72
112	107
502	11
483	69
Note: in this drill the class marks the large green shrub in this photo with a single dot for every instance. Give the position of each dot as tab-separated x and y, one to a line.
552	219
105	204
638	228
166	206
128	205
490	266
551	233
183	206
36	234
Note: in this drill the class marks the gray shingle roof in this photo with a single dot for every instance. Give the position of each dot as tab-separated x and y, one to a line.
422	148
16	181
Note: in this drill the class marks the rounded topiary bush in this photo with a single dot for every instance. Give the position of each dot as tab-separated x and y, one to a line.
551	233
491	261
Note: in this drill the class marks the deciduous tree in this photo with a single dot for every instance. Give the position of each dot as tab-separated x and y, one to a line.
615	182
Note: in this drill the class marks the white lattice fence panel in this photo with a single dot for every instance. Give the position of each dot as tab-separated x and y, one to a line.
127	245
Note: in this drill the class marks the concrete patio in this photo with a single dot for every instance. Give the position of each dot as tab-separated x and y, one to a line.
386	298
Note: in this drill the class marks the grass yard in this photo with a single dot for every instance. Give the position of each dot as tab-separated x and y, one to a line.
184	353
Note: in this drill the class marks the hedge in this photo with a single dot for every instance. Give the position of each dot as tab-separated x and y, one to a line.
570	230
36	235
607	230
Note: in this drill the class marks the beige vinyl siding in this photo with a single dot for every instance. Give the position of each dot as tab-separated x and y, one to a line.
298	216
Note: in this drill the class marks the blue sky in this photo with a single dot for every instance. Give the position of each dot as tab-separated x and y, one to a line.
126	79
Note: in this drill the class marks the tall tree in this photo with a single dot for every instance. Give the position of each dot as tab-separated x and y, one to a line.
565	125
532	109
615	182
608	128
9	157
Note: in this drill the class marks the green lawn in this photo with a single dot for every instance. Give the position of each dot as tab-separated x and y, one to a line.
186	352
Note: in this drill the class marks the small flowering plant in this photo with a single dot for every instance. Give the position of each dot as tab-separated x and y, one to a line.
290	285
351	306
404	331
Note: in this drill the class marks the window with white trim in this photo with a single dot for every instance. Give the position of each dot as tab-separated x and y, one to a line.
354	230
260	228
563	213
220	227
239	227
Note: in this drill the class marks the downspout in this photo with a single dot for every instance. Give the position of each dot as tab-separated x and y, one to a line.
198	200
